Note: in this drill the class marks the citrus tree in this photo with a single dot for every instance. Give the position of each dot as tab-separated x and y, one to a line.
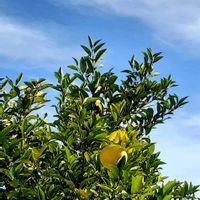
99	145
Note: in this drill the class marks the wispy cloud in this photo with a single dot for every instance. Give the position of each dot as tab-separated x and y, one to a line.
171	21
29	43
178	141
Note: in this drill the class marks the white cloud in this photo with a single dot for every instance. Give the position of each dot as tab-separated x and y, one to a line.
171	21
178	141
193	122
26	42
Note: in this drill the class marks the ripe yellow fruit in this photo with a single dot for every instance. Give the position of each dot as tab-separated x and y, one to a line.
111	154
39	93
82	194
119	136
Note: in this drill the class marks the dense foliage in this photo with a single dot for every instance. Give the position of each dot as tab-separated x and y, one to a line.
98	146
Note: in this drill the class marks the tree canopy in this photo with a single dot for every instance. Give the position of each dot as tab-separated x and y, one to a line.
98	146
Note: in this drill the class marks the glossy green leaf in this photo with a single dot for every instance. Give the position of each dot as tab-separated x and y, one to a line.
137	184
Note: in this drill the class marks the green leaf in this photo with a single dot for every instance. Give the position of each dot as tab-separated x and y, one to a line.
90	66
168	187
182	101
72	67
83	65
19	168
96	42
168	197
19	78
121	165
7	173
29	192
149	52
90	100
98	47
155	74
86	50
99	55
5	131
156	59
86	181
29	84
90	41
57	75
114	112
41	80
137	184
87	156
149	112
185	188
1	110
35	154
61	73
105	187
70	184
41	194
10	82
151	149
99	105
113	173
100	136
44	86
75	60
76	75
3	85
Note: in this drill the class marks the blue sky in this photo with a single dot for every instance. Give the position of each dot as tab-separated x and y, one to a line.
39	36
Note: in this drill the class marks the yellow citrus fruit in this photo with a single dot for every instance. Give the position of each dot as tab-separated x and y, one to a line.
114	137
82	194
119	136
111	154
39	93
